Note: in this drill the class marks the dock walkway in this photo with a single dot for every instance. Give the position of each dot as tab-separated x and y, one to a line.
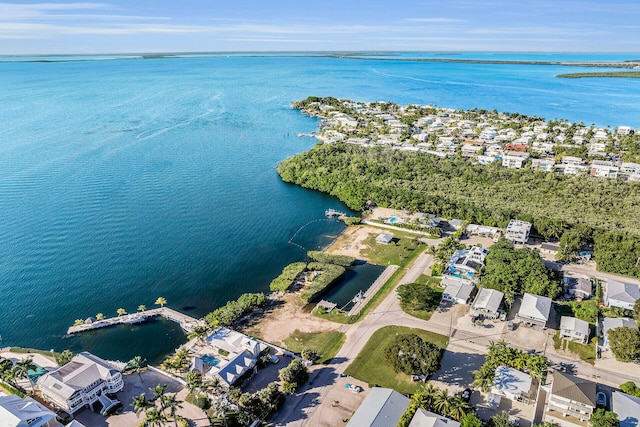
187	323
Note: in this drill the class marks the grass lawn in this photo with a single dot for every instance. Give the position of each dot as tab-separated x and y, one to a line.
370	365
396	252
325	344
434	301
586	352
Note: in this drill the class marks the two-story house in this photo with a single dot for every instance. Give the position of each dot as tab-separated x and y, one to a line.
571	399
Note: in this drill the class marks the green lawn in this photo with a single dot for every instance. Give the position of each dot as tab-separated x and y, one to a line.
370	365
393	253
434	302
586	352
325	344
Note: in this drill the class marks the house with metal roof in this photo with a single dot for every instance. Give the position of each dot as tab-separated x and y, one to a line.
619	294
574	329
466	263
609	323
627	408
534	310
86	379
456	290
423	418
382	407
487	304
513	384
571	399
25	412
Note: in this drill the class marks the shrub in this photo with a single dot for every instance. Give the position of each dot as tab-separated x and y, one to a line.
293	376
202	402
232	310
326	258
412	355
286	278
330	274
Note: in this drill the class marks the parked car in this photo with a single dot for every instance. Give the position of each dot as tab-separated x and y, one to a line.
353	388
601	399
466	394
274	359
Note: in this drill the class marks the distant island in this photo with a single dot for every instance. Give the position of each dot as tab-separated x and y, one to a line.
573	182
625	74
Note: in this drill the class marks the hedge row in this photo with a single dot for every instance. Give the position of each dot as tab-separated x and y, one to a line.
323	257
328	274
286	278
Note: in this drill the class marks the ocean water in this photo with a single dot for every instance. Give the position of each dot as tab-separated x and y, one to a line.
125	180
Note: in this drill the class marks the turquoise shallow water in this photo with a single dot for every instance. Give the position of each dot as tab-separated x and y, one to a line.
124	180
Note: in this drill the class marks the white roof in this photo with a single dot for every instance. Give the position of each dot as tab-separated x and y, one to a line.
488	299
535	307
424	418
459	290
573	324
509	380
382	407
15	412
627	407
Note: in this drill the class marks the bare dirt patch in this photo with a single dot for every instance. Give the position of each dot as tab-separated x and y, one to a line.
282	321
351	241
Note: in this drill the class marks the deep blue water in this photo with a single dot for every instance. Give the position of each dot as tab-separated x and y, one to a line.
121	181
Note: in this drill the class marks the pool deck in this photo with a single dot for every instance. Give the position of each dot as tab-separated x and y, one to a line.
187	323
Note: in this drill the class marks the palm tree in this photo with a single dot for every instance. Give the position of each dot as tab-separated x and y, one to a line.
424	398
194	382
154	418
121	311
6	371
136	364
159	395
99	316
442	402
23	367
142	307
483	377
161	301
172	405
458	408
140	404
200	332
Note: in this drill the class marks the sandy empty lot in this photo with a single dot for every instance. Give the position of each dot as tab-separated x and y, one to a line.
351	242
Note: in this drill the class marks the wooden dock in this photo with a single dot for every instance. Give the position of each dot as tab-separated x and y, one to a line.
187	323
332	213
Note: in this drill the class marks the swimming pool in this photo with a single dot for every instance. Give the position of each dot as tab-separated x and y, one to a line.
34	375
210	360
393	219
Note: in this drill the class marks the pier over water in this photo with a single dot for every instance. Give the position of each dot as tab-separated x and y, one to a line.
187	323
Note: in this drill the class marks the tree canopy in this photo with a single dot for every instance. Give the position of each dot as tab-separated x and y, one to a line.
412	355
625	343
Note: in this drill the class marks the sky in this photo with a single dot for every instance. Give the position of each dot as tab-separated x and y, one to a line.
136	26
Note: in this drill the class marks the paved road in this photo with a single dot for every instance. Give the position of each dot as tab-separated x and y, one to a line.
589	270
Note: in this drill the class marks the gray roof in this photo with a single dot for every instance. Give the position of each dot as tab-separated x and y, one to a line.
424	418
574	388
511	380
535	307
488	299
16	411
617	322
382	407
627	407
620	291
583	286
573	324
461	290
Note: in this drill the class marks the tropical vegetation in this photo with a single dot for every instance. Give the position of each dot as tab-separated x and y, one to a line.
286	278
319	256
233	310
624	343
441	402
604	418
410	354
293	376
324	275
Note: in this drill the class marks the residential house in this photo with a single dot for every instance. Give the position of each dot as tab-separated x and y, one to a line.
466	263
604	169
513	162
582	289
624	130
570	399
487	304
457	290
482	230
25	412
544	165
485	159
470	150
630	168
609	323
534	310
574	329
627	408
382	407
619	294
384	238
82	382
549	248
518	231
456	223
512	384
423	418
242	355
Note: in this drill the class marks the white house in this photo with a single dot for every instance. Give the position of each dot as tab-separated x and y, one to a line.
487	304
83	381
512	384
466	263
624	130
627	408
571	399
382	407
604	169
384	238
619	294
456	290
609	323
574	329
25	412
631	168
518	231
513	162
534	310
544	165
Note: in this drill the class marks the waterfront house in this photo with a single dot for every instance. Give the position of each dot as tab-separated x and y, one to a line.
619	294
457	290
534	310
466	263
512	384
487	304
609	323
571	399
518	231
574	329
82	382
382	407
25	412
627	408
384	238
